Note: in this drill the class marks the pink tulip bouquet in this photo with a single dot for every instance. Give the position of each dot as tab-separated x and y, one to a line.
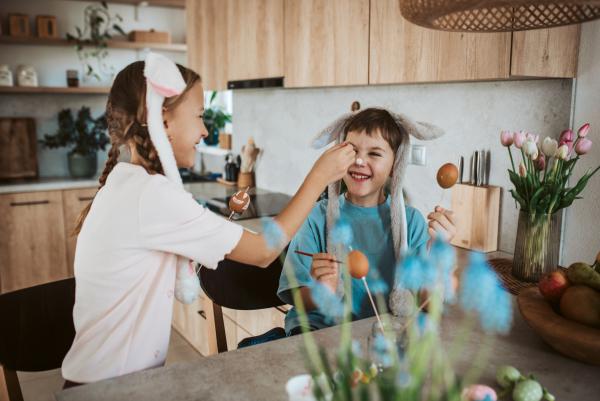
547	193
541	189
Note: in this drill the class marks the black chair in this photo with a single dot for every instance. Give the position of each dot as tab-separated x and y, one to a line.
36	332
237	286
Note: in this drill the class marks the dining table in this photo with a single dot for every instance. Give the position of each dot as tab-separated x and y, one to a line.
260	372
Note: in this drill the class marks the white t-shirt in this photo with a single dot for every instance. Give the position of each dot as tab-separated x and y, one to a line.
125	265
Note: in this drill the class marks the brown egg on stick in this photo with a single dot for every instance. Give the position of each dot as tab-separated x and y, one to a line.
358	264
239	202
447	175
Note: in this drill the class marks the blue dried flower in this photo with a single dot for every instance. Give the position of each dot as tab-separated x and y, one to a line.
273	235
328	302
411	273
481	292
379	350
356	348
342	233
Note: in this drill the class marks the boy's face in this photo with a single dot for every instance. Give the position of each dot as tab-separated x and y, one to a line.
368	178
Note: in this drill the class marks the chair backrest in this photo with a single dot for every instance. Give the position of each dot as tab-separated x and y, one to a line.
36	326
236	285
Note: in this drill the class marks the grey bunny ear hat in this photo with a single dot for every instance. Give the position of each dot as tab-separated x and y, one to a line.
401	300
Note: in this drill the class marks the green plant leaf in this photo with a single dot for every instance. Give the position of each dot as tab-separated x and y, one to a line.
519	199
543	204
70	37
118	29
104	4
534	199
90	69
214	95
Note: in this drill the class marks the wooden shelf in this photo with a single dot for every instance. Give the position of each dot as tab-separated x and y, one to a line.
154	3
115	44
85	90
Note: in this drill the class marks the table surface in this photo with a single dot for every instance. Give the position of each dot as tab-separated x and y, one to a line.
261	371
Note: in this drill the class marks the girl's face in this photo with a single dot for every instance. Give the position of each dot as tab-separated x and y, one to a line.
185	126
365	181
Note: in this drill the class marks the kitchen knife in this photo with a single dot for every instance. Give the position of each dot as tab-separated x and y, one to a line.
480	157
474	169
461	163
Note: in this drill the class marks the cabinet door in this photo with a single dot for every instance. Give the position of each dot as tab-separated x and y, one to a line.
32	240
326	42
403	52
206	33
548	53
74	201
260	321
255	39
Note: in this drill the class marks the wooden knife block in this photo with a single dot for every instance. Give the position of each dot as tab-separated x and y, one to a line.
478	211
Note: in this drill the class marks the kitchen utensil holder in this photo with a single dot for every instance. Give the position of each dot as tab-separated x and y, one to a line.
245	180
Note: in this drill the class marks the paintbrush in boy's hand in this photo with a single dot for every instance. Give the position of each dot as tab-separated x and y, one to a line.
311	255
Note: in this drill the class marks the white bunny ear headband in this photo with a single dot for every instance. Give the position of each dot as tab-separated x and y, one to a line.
164	80
400	302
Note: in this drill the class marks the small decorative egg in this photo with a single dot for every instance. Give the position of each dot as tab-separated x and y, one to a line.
358	264
447	175
528	390
478	392
239	202
503	372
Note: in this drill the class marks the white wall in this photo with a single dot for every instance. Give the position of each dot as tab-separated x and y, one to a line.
51	63
582	223
473	115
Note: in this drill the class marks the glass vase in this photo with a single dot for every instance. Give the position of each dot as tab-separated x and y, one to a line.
537	245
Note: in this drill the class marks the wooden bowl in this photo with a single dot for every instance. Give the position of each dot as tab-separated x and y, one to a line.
569	338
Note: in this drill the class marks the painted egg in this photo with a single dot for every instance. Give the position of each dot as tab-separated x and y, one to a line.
447	175
239	202
358	264
478	392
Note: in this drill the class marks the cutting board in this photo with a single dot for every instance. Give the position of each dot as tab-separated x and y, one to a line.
478	211
572	339
18	148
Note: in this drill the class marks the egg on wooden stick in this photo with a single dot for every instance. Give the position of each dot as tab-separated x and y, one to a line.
447	176
358	267
239	202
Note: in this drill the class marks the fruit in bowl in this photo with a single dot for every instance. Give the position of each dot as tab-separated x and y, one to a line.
581	304
582	273
554	284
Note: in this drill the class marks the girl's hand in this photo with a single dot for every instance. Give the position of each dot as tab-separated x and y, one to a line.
442	223
324	270
333	164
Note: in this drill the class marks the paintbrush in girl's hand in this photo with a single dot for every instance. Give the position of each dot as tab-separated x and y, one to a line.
310	254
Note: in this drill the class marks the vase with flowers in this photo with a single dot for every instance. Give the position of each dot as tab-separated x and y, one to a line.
541	190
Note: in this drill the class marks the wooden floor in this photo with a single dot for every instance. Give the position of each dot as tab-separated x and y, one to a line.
41	386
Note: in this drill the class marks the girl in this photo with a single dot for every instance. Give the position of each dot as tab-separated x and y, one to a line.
142	220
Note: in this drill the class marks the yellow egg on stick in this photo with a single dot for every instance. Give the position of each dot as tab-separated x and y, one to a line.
358	267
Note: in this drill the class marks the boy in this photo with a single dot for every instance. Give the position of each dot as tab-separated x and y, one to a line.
381	142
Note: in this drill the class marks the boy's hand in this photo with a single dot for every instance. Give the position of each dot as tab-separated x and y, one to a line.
442	223
334	163
324	270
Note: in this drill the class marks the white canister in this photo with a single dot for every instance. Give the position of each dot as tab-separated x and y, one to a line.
6	78
27	76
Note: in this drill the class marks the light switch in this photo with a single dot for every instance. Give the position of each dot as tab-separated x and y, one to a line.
417	155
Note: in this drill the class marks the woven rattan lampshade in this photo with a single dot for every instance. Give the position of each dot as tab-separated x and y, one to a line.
497	15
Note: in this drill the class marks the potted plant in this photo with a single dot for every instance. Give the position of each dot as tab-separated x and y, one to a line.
214	118
101	26
541	191
86	133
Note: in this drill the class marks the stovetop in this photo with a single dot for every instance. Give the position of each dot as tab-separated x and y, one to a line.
269	204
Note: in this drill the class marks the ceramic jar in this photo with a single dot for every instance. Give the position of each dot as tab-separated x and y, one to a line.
27	76
6	78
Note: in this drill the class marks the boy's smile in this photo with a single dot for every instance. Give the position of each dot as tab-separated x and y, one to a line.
365	180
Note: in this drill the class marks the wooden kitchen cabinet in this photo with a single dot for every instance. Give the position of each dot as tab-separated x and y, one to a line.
32	240
74	201
403	52
550	53
206	33
254	39
326	43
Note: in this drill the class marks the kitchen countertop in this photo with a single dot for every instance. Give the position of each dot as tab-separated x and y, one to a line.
261	371
49	184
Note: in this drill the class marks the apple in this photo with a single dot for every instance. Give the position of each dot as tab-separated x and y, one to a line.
554	284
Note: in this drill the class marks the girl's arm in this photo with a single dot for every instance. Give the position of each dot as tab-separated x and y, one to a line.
253	249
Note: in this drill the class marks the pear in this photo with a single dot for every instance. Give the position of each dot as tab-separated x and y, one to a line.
582	273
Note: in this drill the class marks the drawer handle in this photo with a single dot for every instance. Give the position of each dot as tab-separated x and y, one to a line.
202	313
88	198
29	203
